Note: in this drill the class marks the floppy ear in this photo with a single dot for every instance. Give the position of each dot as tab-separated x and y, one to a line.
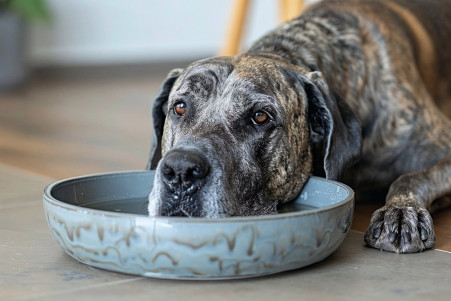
159	110
334	129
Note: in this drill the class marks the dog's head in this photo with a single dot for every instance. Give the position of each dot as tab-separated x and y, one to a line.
235	136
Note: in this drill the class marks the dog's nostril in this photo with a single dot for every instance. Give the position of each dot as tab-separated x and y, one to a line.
199	172
184	167
167	171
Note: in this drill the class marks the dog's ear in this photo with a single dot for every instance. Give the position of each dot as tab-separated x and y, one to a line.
334	130
159	110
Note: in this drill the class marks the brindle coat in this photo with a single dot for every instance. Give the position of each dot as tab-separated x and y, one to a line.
346	91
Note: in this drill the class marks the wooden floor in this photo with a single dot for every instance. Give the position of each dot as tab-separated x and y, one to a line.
62	125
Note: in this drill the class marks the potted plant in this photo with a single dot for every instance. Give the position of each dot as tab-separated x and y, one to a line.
14	16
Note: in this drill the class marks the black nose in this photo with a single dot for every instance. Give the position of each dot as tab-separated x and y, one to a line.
184	169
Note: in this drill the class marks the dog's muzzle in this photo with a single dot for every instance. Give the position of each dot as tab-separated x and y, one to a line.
183	173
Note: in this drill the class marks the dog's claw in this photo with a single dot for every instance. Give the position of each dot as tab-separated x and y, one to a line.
423	234
377	232
401	229
392	236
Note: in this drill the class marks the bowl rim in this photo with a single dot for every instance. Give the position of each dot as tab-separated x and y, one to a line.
48	198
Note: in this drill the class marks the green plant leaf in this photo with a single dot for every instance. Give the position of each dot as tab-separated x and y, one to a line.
31	10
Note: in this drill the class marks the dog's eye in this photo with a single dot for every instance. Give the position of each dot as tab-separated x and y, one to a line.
260	118
180	108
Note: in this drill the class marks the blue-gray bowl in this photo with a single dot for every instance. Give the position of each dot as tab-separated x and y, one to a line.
100	220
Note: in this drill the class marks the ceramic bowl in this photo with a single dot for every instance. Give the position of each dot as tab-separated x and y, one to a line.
100	220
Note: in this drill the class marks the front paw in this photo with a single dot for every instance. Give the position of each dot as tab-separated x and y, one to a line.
401	229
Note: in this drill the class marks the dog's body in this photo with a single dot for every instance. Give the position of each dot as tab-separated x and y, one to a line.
345	91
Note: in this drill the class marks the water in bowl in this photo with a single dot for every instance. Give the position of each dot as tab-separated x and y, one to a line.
133	205
139	206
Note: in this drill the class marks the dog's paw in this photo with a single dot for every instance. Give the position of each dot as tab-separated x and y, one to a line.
401	229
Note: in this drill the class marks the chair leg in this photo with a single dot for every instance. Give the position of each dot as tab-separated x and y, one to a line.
236	28
290	9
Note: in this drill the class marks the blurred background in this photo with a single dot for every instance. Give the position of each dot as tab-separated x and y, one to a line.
85	32
77	77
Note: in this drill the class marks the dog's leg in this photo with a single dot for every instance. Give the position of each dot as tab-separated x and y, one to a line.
404	224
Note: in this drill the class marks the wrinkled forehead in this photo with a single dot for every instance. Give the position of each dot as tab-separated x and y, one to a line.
228	76
203	77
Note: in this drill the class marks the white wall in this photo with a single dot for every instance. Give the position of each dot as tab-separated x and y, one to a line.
93	32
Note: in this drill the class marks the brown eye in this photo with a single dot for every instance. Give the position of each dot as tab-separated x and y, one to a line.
260	118
180	108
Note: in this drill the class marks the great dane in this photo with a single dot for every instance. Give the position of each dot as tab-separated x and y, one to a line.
356	91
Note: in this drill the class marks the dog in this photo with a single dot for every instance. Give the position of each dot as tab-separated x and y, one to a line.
357	91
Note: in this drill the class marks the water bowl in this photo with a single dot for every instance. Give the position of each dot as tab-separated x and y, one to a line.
101	221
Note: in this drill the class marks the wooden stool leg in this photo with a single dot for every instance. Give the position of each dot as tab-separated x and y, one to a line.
236	28
283	10
290	9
